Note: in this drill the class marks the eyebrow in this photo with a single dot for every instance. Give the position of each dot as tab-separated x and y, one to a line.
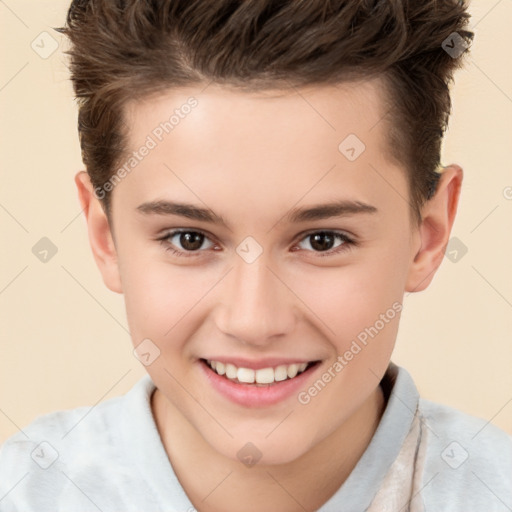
326	211
317	212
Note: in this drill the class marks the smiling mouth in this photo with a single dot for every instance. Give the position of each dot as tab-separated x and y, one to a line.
261	377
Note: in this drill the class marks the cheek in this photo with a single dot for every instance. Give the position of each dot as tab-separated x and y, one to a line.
160	298
349	299
359	308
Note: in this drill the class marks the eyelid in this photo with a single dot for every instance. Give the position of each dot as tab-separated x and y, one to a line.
340	232
185	229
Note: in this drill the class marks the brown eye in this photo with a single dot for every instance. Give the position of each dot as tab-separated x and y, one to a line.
185	241
322	241
326	242
191	240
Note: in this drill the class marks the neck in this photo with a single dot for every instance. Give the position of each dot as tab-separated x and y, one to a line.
305	483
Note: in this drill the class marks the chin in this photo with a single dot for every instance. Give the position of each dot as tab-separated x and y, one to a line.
253	451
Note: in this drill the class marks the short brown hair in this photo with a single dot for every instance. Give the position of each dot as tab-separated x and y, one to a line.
122	50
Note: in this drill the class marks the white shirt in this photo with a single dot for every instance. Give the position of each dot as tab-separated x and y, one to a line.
422	457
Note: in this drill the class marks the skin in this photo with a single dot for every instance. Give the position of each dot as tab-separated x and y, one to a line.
252	158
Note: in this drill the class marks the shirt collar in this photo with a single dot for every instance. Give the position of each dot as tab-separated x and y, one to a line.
359	489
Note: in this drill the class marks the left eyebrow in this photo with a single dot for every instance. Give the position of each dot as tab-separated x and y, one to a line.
325	211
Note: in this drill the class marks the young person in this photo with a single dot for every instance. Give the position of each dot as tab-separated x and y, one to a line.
263	184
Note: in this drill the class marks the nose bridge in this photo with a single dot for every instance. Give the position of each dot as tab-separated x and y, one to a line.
256	305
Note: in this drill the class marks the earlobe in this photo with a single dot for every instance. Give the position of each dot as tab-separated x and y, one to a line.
100	234
438	215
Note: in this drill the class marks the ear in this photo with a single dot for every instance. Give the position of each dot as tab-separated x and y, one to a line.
100	235
438	215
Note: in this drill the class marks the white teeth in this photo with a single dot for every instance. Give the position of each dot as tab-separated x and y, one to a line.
261	376
292	370
245	375
231	371
281	373
264	376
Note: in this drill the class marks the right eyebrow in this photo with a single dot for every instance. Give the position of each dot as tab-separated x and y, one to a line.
187	210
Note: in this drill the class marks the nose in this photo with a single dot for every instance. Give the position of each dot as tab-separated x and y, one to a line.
256	305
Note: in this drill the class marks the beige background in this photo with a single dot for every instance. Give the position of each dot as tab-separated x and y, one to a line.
63	334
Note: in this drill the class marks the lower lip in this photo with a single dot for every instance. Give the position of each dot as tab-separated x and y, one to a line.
250	395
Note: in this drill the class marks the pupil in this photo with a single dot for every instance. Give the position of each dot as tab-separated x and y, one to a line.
322	241
191	241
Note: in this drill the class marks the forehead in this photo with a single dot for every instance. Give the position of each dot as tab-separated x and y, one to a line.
277	144
336	110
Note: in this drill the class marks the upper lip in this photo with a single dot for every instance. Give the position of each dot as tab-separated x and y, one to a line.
272	362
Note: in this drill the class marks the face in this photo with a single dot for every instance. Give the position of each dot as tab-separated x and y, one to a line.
254	234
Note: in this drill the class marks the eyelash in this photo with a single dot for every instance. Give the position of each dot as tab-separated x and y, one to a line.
347	244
